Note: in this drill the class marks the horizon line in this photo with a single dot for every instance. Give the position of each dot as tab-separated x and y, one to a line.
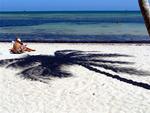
71	11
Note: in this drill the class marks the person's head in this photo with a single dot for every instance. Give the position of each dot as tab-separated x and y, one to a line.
18	39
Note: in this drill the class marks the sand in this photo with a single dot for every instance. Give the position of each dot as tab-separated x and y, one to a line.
85	92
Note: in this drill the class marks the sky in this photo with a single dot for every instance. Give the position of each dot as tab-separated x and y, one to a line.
67	5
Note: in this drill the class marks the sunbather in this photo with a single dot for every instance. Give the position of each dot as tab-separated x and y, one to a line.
19	47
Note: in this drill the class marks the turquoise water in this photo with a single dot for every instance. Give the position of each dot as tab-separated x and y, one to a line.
73	26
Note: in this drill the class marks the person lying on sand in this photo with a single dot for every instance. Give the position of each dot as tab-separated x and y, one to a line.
19	47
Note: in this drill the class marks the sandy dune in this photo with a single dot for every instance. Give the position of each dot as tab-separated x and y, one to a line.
95	78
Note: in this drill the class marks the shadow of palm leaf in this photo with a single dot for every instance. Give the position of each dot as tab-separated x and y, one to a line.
43	67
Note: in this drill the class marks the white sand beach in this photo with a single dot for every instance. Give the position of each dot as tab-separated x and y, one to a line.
86	91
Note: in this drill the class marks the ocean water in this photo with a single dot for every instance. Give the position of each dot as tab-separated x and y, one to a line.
78	26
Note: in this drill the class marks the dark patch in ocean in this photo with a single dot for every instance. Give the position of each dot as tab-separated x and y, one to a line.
38	21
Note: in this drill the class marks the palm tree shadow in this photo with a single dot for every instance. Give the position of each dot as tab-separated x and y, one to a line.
43	67
39	67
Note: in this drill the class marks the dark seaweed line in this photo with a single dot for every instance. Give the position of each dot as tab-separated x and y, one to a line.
85	41
61	38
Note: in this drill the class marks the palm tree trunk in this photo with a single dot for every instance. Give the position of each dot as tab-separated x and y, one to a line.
145	10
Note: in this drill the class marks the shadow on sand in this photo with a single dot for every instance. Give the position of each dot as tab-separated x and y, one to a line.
42	67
